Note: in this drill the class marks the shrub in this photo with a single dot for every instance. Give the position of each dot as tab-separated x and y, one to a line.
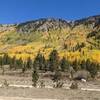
74	85
57	76
5	84
42	85
58	84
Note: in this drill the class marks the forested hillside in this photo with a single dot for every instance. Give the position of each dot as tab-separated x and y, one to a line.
75	40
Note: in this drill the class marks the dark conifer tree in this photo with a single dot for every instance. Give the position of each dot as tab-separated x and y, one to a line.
88	64
92	68
53	61
64	64
13	63
35	78
24	67
19	63
76	65
39	62
5	59
1	62
83	64
29	63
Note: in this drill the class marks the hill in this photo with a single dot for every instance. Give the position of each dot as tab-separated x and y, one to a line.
78	39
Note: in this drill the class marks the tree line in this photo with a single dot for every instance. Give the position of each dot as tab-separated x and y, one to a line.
53	64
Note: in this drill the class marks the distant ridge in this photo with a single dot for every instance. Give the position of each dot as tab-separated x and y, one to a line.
51	33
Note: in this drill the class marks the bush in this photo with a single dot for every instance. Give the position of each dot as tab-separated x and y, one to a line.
74	85
57	76
58	85
42	85
92	68
5	84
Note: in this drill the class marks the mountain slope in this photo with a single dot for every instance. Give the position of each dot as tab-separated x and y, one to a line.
26	39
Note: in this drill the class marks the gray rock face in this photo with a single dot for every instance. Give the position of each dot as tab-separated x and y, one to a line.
6	27
90	20
45	24
42	25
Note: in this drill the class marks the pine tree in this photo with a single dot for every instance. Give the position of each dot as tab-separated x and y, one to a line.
18	63
24	67
53	60
39	62
76	65
1	62
88	64
64	64
92	68
29	63
5	59
98	67
83	64
43	63
13	63
35	78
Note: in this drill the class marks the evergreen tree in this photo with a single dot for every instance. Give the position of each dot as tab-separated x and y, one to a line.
19	63
64	64
43	63
76	65
24	67
39	62
13	63
1	62
88	64
29	63
92	68
47	65
35	78
5	59
53	61
98	67
83	64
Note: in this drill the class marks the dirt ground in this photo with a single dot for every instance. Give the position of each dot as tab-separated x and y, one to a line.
16	93
21	80
13	93
60	94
